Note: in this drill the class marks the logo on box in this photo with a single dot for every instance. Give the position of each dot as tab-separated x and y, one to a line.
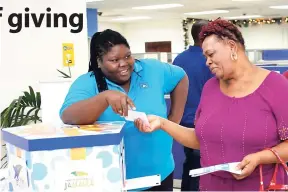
79	179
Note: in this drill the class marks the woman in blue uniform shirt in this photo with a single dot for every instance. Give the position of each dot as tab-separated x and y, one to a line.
116	82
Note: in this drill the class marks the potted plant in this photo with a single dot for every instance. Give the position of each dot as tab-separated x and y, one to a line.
22	111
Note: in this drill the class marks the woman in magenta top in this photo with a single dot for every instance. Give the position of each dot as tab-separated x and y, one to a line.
242	111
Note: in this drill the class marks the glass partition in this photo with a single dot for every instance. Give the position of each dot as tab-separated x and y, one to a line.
161	56
259	57
255	56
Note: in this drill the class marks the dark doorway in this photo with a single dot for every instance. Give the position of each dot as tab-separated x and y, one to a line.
161	46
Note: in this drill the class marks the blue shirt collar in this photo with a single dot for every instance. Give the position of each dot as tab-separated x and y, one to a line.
195	49
137	66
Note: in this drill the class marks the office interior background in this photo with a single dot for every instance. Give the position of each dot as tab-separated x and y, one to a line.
33	55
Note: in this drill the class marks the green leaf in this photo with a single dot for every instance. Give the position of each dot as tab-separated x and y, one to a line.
21	118
6	120
27	120
33	97
38	99
5	156
30	111
27	98
18	108
23	101
23	110
16	117
36	115
4	165
64	74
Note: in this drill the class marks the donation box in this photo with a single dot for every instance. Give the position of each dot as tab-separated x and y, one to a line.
68	158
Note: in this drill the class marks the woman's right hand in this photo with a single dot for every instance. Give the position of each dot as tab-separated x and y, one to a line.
155	123
120	102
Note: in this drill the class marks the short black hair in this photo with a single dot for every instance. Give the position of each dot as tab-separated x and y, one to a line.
101	43
196	29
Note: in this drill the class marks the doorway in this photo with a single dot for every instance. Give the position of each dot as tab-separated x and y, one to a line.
160	46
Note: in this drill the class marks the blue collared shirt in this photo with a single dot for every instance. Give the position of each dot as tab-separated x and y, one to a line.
193	62
146	153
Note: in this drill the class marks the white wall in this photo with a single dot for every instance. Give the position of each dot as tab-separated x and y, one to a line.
257	37
34	54
109	25
149	31
272	36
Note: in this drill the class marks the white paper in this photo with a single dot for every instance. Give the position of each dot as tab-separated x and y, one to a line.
141	182
79	175
229	167
133	115
53	94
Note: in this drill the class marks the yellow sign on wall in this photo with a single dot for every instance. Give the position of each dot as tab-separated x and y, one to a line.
68	54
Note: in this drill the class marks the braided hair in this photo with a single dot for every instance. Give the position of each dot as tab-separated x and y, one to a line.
101	43
222	28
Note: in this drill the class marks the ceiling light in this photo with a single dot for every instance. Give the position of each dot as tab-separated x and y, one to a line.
207	12
91	1
279	7
131	18
244	17
246	0
163	6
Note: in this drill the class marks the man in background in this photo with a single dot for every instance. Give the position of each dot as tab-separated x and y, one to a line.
194	64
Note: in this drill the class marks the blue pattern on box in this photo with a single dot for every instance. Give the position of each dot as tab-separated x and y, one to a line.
114	175
89	150
28	160
116	149
106	158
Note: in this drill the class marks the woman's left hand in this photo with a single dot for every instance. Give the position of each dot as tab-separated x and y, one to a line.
247	165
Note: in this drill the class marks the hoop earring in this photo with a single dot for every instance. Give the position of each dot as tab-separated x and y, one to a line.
234	56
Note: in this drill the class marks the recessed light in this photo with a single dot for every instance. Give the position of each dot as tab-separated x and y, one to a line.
246	0
163	6
131	18
207	12
91	1
279	7
244	17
